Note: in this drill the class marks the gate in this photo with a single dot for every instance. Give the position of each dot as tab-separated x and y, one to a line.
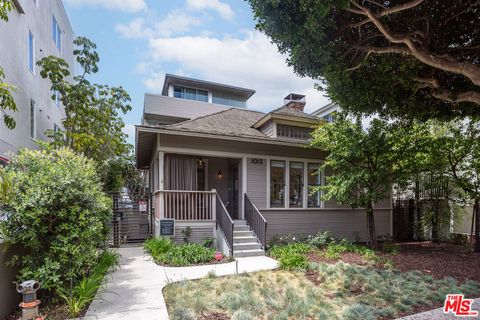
132	218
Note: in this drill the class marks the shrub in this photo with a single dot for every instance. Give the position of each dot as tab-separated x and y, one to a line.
84	292
164	251
334	250
321	239
291	256
58	213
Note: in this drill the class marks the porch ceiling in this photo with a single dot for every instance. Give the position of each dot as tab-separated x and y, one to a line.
145	146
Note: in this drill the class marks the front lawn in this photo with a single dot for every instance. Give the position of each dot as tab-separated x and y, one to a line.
326	291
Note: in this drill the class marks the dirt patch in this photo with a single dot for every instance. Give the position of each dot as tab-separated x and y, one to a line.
313	277
214	316
436	259
347	257
53	312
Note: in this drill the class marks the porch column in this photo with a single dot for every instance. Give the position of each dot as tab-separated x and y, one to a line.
161	170
161	200
244	186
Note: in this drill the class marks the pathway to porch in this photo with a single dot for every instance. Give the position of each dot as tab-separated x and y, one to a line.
134	291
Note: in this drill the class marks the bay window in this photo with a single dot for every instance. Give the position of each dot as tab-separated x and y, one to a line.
277	184
314	180
296	185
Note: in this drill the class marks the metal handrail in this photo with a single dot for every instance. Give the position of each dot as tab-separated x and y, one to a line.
257	221
225	222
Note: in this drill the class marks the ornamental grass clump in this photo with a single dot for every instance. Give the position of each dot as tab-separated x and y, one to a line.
164	251
58	213
291	256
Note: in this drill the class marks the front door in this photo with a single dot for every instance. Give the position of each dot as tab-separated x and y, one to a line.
233	192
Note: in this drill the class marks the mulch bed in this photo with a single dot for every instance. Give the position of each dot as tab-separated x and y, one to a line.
50	312
214	316
437	259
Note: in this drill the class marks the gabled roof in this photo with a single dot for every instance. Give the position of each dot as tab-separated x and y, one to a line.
233	122
287	113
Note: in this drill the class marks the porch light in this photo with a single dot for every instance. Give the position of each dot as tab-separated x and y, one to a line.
219	174
200	162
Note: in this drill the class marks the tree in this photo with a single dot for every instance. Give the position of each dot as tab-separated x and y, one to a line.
365	162
401	58
7	103
460	146
57	212
93	125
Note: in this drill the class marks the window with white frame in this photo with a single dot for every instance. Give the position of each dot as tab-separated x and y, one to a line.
277	183
190	93
31	52
314	180
296	184
56	34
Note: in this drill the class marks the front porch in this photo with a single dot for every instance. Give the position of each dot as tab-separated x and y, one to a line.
203	195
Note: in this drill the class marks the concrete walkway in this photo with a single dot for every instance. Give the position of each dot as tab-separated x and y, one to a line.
134	291
437	314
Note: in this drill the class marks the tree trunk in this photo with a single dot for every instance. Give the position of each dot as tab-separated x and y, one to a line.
372	235
476	248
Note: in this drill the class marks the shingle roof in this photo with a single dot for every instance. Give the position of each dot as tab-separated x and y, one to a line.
285	110
232	122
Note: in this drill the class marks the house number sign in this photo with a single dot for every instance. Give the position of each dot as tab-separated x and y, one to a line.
167	227
257	161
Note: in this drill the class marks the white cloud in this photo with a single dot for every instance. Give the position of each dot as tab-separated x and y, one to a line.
223	9
176	22
121	5
129	130
251	62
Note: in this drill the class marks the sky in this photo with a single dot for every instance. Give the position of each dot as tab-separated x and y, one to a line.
214	40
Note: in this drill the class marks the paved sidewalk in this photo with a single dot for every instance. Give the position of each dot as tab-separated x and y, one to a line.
438	314
134	291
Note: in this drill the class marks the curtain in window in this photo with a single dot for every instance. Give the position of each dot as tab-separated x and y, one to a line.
180	172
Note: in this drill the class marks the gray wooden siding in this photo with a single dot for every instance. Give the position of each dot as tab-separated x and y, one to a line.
343	223
257	182
268	129
197	234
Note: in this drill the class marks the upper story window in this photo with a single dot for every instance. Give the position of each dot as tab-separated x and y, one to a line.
292	132
57	99
31	52
190	93
33	123
56	34
228	100
330	117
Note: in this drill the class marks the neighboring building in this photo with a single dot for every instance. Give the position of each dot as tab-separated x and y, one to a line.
240	176
35	29
327	112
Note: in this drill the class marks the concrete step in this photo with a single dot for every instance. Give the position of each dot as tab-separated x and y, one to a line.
246	246
240	222
248	253
246	233
242	228
247	239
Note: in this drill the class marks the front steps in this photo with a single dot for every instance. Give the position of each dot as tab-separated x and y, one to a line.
245	244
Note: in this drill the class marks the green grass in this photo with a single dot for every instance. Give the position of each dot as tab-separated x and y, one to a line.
165	252
291	256
82	294
345	292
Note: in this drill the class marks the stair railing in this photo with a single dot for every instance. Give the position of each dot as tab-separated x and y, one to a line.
257	221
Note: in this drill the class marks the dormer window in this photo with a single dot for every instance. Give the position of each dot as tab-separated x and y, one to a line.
292	132
190	93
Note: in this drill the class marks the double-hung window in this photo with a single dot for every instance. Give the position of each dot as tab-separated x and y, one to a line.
56	34
277	184
314	181
296	184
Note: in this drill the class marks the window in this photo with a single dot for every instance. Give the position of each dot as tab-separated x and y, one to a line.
228	100
277	184
190	94
291	132
31	52
56	128
314	180
201	175
56	34
32	119
57	98
296	185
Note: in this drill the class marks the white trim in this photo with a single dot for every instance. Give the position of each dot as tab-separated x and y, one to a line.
322	209
244	185
194	224
286	191
274	128
305	184
161	170
268	183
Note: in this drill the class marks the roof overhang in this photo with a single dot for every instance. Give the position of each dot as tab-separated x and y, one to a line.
202	84
146	141
291	120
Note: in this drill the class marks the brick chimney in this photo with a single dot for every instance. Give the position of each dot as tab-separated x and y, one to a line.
295	101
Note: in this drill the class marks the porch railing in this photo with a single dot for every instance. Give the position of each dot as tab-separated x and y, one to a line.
257	221
185	205
226	224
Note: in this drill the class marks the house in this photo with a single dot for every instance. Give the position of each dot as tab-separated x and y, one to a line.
240	176
35	29
327	112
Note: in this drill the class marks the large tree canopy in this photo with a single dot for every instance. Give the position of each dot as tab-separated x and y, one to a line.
415	58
